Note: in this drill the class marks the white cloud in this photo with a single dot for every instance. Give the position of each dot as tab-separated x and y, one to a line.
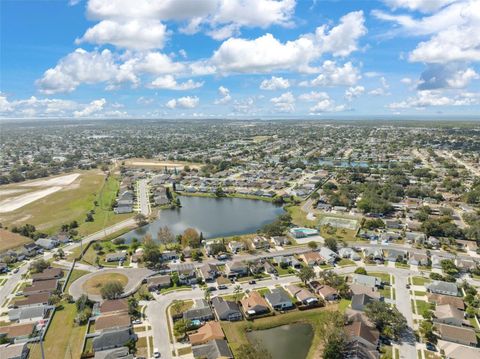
5	105
437	76
284	103
420	5
382	90
354	92
331	75
313	96
462	78
132	34
326	105
453	28
275	83
427	98
224	94
168	82
183	102
406	81
245	106
91	109
266	54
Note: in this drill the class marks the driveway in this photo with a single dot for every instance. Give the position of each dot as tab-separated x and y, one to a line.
135	278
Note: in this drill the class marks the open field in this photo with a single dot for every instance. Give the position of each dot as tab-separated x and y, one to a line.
143	163
236	331
9	240
94	285
346	223
67	203
64	338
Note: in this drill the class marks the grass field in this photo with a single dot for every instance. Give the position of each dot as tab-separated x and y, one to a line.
420	280
64	337
299	217
9	240
95	284
71	203
236	331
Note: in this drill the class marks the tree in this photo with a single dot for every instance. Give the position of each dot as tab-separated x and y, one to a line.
388	320
181	327
140	219
249	351
331	244
132	306
177	306
426	329
165	236
111	290
190	237
39	265
306	274
360	270
54	299
151	251
61	253
237	291
219	192
335	345
312	245
83	302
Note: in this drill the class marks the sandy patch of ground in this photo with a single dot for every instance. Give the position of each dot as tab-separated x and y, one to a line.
56	181
9	240
11	204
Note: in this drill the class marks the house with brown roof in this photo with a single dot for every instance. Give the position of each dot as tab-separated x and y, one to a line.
327	293
302	294
364	289
440	299
112	320
33	300
210	331
17	331
114	305
448	314
311	258
43	286
48	274
254	304
460	335
158	282
363	340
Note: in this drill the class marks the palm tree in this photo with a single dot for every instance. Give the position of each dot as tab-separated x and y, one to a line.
237	290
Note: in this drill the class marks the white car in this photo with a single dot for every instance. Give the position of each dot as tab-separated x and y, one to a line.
156	353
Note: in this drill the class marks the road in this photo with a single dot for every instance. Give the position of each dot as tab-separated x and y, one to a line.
143	197
471	168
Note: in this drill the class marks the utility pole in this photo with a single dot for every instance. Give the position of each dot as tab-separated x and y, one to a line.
41	347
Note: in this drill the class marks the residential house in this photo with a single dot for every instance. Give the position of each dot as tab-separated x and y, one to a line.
114	338
236	246
466	264
46	243
236	269
328	255
311	258
200	311
279	299
441	287
415	237
158	282
209	331
17	331
187	273
114	305
393	255
448	314
169	256
302	295
374	254
367	280
326	292
29	314
279	241
33	300
48	274
112	321
254	304
208	272
214	349
363	340
457	351
44	286
226	310
365	289
115	353
440	299
14	351
347	252
359	301
453	333
418	259
260	242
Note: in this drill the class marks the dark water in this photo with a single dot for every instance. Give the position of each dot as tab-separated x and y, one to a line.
291	341
215	217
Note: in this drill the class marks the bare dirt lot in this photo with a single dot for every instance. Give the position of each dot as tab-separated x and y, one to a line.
9	240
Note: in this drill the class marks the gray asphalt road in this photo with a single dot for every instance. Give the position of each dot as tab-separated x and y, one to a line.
143	198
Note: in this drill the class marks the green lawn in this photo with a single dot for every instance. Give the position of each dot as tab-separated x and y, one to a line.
299	217
344	304
420	293
235	331
76	273
64	337
386	352
420	280
423	306
385	277
385	292
263	291
344	262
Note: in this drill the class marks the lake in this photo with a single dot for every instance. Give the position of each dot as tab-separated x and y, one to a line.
215	217
290	341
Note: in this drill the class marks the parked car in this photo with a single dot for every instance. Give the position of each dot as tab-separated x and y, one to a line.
137	321
431	347
252	282
211	289
156	353
222	286
16	270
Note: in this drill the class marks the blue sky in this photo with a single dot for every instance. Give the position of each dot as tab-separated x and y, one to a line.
239	58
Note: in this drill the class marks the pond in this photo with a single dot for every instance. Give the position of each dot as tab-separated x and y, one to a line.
214	217
290	341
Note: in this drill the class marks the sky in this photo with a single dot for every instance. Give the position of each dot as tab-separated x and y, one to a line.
239	58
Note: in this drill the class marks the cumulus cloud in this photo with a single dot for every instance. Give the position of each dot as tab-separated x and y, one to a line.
183	102
333	75
132	34
326	105
266	53
275	83
284	103
92	108
224	94
382	90
168	82
313	96
438	76
354	92
428	98
420	5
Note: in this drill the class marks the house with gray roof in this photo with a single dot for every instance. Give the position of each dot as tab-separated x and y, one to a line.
200	311
347	252
359	301
116	257
110	339
328	255
441	287
29	314
236	269
393	255
116	353
214	349
226	310
14	351
279	299
366	280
